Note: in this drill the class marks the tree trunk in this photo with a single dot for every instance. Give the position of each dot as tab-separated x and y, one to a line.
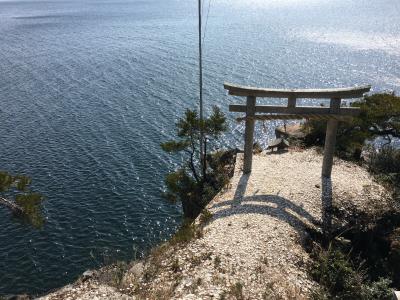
17	210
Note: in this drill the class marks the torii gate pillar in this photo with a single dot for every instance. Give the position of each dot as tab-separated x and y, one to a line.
330	139
333	114
249	134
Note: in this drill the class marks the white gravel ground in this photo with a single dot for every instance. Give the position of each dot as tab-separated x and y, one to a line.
252	246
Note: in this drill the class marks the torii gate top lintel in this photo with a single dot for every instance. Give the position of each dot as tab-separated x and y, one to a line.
334	113
342	93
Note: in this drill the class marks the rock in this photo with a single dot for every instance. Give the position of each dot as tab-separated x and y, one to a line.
87	275
137	269
317	186
396	295
279	143
254	236
344	241
257	148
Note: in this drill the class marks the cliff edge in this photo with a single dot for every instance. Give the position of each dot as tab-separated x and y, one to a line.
250	243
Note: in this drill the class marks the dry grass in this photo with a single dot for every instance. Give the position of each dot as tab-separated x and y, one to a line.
249	242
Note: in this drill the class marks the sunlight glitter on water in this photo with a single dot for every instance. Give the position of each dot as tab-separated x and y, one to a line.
88	90
357	40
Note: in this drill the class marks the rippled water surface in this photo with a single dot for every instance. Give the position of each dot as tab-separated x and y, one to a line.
88	90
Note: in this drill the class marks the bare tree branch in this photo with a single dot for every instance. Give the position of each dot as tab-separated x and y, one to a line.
12	206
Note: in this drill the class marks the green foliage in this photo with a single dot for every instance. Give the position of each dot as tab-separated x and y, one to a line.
16	190
394	256
8	181
31	205
173	146
182	187
380	113
216	123
333	270
384	160
385	164
187	232
380	116
221	163
191	184
366	263
340	279
374	240
205	216
379	289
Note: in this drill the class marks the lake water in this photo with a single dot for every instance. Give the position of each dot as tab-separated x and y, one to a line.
89	89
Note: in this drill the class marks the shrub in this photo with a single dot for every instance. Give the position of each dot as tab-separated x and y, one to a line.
187	232
341	279
205	216
332	269
379	290
384	160
373	237
394	256
112	274
364	263
385	164
380	116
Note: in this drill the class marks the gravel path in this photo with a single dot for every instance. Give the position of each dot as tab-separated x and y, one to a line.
258	224
252	246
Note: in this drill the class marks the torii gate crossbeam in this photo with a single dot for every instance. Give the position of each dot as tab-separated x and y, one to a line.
332	114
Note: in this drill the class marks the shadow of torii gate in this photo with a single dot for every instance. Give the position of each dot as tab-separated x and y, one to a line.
333	114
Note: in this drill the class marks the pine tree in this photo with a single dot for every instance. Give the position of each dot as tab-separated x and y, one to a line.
191	183
15	194
379	117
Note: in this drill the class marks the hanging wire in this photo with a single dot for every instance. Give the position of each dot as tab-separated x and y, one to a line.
201	41
202	143
205	25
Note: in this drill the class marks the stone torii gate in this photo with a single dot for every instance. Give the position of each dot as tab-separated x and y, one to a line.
332	114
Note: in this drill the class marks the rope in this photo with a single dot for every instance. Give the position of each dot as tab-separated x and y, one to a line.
295	117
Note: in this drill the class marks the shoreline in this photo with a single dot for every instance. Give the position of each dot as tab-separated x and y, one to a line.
234	251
